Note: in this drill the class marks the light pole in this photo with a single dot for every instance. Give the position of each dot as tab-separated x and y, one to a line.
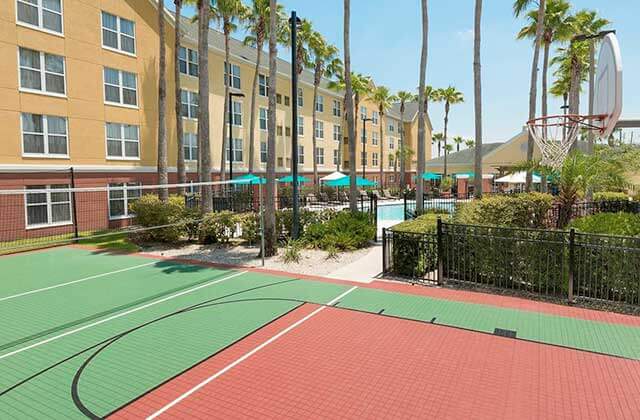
231	96
294	22
364	145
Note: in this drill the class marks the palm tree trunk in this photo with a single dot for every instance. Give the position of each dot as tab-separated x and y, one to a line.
204	148
421	117
381	157
446	125
225	126
353	191
401	157
545	72
477	90
270	234
163	175
182	173
314	119
592	75
533	88
254	91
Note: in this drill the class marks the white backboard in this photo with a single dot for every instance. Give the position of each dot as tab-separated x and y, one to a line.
608	84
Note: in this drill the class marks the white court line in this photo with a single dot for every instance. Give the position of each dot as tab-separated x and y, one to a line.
247	355
30	292
111	318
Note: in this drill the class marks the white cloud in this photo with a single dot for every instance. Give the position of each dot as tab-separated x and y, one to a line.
466	35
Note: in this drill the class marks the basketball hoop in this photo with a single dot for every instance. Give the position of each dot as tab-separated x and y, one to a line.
555	134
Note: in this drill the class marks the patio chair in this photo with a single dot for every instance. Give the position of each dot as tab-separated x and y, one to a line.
377	195
388	194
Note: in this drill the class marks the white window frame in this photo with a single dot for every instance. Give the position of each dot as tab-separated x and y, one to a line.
300	154
191	95
337	134
121	140
374	158
319	156
235	150
363	137
363	158
337	108
375	117
300	126
363	112
319	103
263	121
232	77
45	137
118	33
126	187
263	85
264	154
392	143
392	161
319	130
43	74
374	138
300	97
391	127
49	205
336	156
40	27
235	115
189	63
120	87
190	142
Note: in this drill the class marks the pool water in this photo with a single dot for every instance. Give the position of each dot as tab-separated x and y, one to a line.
391	212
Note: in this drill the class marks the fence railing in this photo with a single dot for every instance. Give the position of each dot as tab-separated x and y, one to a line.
561	264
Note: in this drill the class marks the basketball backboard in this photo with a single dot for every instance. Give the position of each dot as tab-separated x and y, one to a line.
608	84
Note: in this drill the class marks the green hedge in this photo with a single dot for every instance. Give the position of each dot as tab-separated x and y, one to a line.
427	223
345	231
610	196
217	227
150	211
624	224
520	210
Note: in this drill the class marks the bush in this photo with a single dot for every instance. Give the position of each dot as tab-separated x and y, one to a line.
217	227
150	211
250	226
610	196
427	223
346	231
521	210
291	252
624	224
284	220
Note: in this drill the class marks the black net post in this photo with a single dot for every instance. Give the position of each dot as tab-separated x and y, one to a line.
572	257
75	204
384	250
440	250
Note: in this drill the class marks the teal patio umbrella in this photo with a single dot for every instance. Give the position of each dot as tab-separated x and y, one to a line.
345	182
249	179
431	176
289	179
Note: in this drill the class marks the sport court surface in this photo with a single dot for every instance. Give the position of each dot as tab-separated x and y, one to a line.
90	334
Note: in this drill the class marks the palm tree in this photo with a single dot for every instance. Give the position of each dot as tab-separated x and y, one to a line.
163	175
436	139
226	13
421	108
477	102
469	143
404	97
448	149
270	234
351	128
182	173
325	64
458	140
204	147
257	24
383	98
450	96
519	6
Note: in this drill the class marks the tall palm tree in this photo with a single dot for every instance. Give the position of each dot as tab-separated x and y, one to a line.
257	24
404	97
227	13
270	234
450	96
421	108
436	139
519	7
469	143
163	174
351	128
458	140
383	98
204	147
477	101
182	172
325	64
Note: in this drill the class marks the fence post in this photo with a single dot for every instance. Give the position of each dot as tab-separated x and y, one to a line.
440	249
75	205
572	256
384	250
405	205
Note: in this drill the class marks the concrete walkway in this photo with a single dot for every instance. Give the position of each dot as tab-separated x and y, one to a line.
363	270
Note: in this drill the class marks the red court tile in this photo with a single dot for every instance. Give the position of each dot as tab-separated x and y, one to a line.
345	364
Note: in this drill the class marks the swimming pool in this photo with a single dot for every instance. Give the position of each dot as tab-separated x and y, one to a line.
390	212
395	211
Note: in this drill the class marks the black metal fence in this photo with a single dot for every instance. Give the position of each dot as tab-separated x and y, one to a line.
561	264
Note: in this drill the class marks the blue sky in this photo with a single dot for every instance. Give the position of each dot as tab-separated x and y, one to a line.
385	44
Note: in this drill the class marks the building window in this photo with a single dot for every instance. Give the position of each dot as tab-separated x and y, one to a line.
363	137
300	155
234	77
236	116
363	157
392	178
319	156
287	101
391	161
42	72
392	143
278	98
319	130
363	112
280	162
48	207
42	14
374	138
121	196
279	130
287	131
120	87
374	117
237	150
189	104
123	141
44	135
300	126
263	152
336	156
190	141
337	108
337	132
320	103
300	98
391	126
263	119
188	60
263	85
118	33
374	158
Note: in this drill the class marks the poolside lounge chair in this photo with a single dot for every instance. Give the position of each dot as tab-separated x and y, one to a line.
388	194
377	195
312	199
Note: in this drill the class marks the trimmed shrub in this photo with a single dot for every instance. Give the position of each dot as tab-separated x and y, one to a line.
610	196
521	210
150	211
345	231
250	226
624	224
217	227
427	223
284	220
